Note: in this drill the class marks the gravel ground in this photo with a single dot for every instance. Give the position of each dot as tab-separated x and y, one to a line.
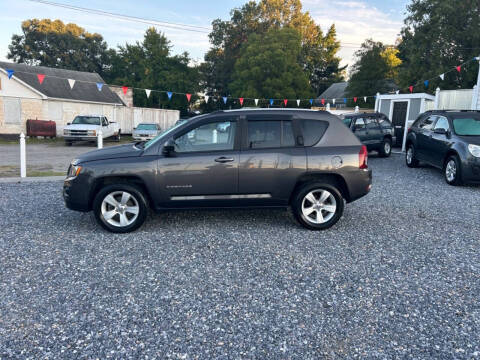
397	277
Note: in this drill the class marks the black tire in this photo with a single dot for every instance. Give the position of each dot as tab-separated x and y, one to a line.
68	143
137	199
385	148
298	201
118	136
456	180
411	161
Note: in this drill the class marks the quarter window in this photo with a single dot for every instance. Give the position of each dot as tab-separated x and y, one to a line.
442	123
208	137
313	131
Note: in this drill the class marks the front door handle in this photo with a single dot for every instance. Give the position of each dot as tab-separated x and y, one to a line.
224	159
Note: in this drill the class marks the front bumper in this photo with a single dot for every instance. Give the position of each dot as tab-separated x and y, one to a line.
143	137
471	170
80	138
76	194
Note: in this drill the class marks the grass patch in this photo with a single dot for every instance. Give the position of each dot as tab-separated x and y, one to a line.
45	173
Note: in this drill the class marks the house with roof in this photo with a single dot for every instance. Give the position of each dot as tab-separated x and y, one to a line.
64	94
335	91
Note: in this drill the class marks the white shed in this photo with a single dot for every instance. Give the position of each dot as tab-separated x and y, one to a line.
403	109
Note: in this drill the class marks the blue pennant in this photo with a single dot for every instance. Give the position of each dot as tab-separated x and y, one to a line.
426	82
99	86
311	101
169	94
10	73
271	102
345	100
225	100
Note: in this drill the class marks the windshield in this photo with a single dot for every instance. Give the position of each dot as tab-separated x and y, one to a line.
86	120
467	126
347	121
147	127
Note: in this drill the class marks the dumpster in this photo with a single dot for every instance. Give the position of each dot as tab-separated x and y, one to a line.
41	128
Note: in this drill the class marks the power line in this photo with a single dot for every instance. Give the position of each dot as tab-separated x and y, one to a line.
177	26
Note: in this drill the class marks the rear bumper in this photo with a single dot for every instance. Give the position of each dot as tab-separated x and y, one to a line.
359	184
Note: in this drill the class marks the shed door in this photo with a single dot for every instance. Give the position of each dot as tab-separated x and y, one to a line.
398	119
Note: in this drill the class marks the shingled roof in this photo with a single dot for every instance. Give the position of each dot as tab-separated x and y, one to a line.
55	84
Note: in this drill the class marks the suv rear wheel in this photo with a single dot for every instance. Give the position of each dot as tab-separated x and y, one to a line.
452	171
410	158
386	148
120	208
318	205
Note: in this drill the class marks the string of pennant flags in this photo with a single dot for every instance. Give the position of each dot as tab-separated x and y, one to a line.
271	101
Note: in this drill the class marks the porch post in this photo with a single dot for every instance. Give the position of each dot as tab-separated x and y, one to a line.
476	89
437	98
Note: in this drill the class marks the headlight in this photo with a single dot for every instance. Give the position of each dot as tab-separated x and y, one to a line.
474	150
66	132
92	132
74	170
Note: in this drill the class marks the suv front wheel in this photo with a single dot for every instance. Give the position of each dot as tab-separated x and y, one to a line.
386	148
452	171
318	206
120	208
410	158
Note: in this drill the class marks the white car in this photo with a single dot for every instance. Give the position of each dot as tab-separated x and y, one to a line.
87	128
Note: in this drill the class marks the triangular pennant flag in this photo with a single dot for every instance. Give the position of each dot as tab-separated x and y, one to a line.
241	101
225	100
298	102
285	101
99	86
355	99
323	101
271	102
147	92
189	96
256	102
40	78
365	98
124	89
397	92
442	76
71	82
426	82
311	101
169	94
206	98
459	68
10	73
333	101
411	88
345	100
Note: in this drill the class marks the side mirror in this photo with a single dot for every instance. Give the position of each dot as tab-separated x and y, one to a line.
168	147
134	128
440	131
69	123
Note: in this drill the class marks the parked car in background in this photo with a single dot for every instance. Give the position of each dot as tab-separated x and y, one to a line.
146	131
87	128
448	140
303	159
373	129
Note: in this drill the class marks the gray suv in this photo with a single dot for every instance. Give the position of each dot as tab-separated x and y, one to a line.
306	160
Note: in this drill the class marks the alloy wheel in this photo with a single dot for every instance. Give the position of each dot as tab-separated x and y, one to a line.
409	155
451	170
120	209
319	206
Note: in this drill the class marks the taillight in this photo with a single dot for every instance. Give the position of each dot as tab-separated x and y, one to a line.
363	158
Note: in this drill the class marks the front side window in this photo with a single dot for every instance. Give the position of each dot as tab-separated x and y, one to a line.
105	122
442	123
467	126
214	136
427	124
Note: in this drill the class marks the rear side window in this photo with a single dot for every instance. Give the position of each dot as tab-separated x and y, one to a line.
270	134
313	131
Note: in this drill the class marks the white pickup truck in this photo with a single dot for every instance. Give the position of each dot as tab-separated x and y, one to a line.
87	128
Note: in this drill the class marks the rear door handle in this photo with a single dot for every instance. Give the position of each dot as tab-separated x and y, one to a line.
224	159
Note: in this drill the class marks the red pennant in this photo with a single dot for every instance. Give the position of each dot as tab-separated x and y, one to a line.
410	88
125	89
459	68
323	101
285	101
354	99
241	101
41	77
189	96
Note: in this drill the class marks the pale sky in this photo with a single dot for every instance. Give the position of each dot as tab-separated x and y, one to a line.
355	20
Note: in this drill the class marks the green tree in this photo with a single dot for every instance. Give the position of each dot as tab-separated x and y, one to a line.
55	44
150	65
374	70
269	67
318	55
439	35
